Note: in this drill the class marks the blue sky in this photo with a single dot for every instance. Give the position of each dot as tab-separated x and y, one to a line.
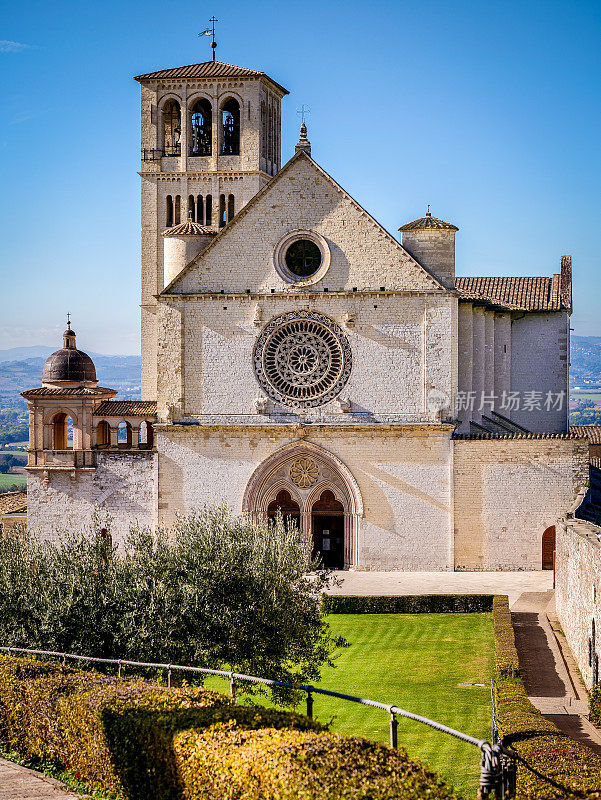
490	112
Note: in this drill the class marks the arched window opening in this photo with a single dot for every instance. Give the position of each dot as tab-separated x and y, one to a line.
169	211
103	435
221	210
124	434
548	548
177	210
59	432
200	211
230	207
191	208
172	127
270	133
230	128
209	210
288	508
146	435
328	530
201	133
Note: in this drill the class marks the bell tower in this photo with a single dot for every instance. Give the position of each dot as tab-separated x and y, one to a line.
210	142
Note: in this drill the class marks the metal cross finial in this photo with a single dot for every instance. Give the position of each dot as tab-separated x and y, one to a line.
213	20
428	211
302	111
68	319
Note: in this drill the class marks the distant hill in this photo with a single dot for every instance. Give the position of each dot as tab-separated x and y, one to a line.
21	353
116	372
585	360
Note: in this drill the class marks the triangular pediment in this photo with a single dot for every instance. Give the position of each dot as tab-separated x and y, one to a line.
362	255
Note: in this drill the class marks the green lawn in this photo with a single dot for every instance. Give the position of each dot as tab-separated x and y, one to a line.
10	480
417	662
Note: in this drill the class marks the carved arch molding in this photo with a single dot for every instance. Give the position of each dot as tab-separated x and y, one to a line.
306	470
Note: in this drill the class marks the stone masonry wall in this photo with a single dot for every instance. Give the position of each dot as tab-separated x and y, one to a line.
122	488
403	476
507	492
578	589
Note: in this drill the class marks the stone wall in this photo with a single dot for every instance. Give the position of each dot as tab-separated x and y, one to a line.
122	488
578	589
404	477
507	492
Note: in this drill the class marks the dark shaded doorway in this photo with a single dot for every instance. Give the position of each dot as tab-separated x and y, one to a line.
548	548
287	506
328	530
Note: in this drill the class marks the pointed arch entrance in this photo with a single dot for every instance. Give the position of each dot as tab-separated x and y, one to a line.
305	476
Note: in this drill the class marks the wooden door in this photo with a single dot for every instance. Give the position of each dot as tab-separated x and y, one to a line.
548	548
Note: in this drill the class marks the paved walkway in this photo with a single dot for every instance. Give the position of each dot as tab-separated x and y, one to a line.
549	670
398	583
19	783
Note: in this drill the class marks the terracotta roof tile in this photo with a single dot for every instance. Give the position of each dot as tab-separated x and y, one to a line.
13	502
208	70
47	391
591	432
518	294
428	223
570	435
189	228
126	408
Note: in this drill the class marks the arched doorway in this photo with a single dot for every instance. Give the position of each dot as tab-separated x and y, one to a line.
548	548
325	494
288	508
327	529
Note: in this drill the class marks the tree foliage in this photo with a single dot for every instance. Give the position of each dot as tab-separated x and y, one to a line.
214	590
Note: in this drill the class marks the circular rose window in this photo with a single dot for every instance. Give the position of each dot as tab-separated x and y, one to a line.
301	257
302	359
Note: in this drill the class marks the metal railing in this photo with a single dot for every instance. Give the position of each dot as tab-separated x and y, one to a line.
493	765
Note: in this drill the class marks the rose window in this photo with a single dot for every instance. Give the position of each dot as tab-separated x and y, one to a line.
302	359
304	472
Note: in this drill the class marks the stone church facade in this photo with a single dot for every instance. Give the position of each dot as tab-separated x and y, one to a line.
296	355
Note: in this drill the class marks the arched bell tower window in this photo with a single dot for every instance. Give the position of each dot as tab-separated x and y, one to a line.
201	129
230	128
172	127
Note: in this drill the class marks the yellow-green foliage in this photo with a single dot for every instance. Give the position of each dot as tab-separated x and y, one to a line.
230	764
566	769
146	741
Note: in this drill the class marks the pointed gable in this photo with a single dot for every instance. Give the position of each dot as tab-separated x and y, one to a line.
302	196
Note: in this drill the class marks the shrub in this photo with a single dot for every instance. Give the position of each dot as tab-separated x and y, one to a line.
144	741
595	705
217	590
559	767
407	604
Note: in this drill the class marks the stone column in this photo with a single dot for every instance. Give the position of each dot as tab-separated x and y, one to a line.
114	436
465	349
479	363
135	437
502	359
489	360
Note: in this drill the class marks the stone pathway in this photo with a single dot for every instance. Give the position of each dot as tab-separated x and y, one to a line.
19	783
549	671
512	584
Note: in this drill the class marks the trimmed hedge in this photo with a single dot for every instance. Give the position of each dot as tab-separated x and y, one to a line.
567	769
595	706
142	741
407	604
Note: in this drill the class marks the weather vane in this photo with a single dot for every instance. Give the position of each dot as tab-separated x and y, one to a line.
303	111
211	32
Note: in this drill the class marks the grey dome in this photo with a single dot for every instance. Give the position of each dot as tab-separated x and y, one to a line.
69	364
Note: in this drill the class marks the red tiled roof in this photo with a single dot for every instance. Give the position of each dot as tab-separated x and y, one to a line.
209	70
13	502
189	228
47	391
570	435
428	223
516	294
591	432
126	408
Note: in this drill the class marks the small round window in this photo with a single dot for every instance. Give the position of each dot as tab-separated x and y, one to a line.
303	258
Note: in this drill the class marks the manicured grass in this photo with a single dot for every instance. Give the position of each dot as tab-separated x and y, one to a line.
415	661
10	480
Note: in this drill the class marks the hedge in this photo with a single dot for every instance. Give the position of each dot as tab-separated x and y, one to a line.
407	604
566	768
142	741
594	706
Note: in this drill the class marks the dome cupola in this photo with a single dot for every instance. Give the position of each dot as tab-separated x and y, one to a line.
69	365
181	244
